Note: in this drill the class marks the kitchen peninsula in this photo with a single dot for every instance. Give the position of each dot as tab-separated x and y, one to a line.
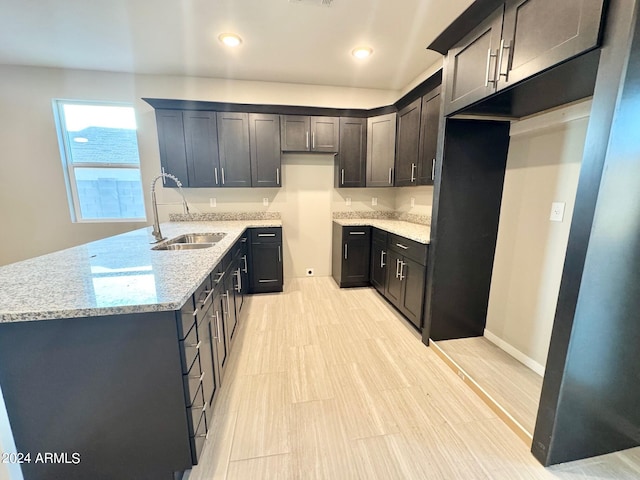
114	351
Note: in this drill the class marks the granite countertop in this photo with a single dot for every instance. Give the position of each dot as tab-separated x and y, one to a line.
413	231
115	275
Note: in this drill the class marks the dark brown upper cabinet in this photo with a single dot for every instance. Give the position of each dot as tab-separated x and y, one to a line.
518	40
301	133
381	150
538	34
407	148
188	144
470	67
351	160
429	126
235	156
264	136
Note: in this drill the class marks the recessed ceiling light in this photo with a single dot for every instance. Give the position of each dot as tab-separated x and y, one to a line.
230	39
362	52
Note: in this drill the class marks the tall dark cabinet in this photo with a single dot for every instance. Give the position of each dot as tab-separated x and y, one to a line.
408	138
429	126
264	136
351	168
235	156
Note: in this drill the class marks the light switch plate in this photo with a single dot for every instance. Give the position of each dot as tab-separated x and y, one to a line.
374	201
348	201
265	202
212	202
557	212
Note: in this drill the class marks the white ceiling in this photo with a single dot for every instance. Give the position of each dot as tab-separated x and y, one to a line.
282	41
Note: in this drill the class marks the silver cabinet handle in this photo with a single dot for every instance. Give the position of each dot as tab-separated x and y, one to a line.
490	55
215	173
342	177
390	176
413	169
266	234
195	345
164	179
402	264
267	281
313	139
222	171
402	246
277	176
382	254
345	251
503	47
217	337
357	233
433	169
220	275
307	140
397	268
246	268
228	305
279	254
199	377
239	285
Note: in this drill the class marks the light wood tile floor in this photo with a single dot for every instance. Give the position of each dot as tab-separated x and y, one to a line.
324	383
510	383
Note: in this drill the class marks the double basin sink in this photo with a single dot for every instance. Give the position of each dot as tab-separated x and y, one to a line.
191	241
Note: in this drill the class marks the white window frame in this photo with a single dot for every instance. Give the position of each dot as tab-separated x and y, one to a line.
69	166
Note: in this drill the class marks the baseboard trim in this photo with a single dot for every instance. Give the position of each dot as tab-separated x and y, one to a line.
514	352
512	423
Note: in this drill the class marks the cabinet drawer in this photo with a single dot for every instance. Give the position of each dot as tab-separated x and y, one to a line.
266	235
379	236
202	291
192	381
185	319
189	349
197	441
409	248
195	412
354	232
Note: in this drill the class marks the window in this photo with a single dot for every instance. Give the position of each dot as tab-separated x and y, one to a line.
99	151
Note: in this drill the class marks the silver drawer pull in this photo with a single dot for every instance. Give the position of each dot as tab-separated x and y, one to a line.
357	233
402	246
397	268
246	267
382	254
199	377
206	298
220	275
243	240
195	345
202	435
266	234
267	281
201	407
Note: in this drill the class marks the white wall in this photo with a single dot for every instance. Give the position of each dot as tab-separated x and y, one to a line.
34	212
542	167
422	197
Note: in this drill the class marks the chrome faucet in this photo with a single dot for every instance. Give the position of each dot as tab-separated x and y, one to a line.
156	223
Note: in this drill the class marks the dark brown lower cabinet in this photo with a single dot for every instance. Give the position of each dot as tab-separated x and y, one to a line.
351	255
379	259
265	271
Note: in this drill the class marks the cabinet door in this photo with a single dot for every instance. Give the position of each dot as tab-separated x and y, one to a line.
219	342
407	144
229	306
233	139
173	154
539	34
393	288
324	134
295	133
351	171
381	150
429	126
207	363
471	66
356	250
266	267
264	136
244	266
412	276
201	139
378	267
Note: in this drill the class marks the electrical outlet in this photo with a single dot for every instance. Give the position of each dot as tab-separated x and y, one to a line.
212	202
374	201
310	272
557	212
348	201
413	202
265	202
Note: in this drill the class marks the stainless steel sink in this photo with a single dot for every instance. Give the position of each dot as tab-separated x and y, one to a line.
191	241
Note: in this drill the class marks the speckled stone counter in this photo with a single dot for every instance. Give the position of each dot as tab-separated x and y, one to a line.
413	231
115	275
